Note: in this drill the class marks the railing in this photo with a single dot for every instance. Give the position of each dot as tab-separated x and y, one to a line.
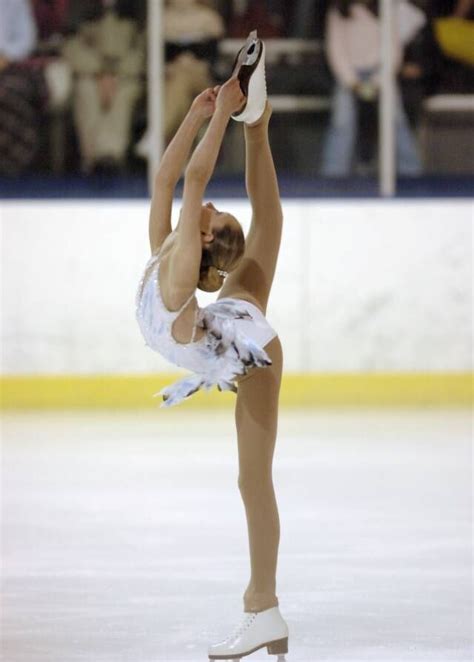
275	48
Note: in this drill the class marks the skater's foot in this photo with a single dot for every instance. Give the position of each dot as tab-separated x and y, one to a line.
249	67
257	630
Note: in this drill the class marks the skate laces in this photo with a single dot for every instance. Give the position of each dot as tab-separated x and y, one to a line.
244	625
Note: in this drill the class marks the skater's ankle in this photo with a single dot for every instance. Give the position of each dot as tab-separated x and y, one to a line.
255	607
255	133
263	120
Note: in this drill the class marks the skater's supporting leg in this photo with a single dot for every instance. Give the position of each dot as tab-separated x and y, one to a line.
256	418
253	278
258	393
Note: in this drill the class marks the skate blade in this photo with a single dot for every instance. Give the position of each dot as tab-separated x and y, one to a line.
278	647
249	53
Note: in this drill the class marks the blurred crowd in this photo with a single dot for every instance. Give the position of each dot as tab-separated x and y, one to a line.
73	74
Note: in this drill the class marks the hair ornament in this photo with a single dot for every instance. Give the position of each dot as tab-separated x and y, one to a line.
222	273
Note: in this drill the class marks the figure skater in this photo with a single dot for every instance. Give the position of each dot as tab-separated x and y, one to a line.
228	344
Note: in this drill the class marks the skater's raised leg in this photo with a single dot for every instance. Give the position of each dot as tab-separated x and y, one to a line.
253	278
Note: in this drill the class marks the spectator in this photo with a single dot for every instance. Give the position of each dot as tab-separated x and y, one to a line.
23	91
353	49
191	33
107	59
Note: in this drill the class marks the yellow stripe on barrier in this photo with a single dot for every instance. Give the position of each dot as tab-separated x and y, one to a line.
298	390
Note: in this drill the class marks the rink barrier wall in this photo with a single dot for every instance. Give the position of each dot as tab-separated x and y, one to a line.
362	286
298	390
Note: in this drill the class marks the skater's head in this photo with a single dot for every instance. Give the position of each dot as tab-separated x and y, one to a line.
223	245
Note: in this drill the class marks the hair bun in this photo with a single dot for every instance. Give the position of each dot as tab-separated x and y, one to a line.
210	279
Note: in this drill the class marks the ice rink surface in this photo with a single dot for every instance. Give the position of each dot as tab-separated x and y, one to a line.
124	536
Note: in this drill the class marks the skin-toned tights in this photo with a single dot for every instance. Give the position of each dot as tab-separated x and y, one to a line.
256	410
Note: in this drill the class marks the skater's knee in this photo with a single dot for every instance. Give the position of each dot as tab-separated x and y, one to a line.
255	484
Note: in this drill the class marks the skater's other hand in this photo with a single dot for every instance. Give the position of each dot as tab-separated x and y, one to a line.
204	104
230	97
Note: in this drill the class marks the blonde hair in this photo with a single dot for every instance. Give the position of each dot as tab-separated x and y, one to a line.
221	257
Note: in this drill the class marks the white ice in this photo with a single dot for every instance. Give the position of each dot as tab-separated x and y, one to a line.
124	536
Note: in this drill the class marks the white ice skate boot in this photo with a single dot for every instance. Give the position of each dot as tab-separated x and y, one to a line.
257	630
250	65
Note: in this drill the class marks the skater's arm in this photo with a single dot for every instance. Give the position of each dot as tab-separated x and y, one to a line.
203	161
186	256
172	165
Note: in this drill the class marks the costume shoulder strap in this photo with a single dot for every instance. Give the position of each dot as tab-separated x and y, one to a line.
185	304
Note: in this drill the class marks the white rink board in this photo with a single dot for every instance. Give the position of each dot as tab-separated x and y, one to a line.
361	286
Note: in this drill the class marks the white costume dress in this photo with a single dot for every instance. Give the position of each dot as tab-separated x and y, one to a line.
236	334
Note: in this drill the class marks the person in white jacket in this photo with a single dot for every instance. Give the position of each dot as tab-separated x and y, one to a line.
353	49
